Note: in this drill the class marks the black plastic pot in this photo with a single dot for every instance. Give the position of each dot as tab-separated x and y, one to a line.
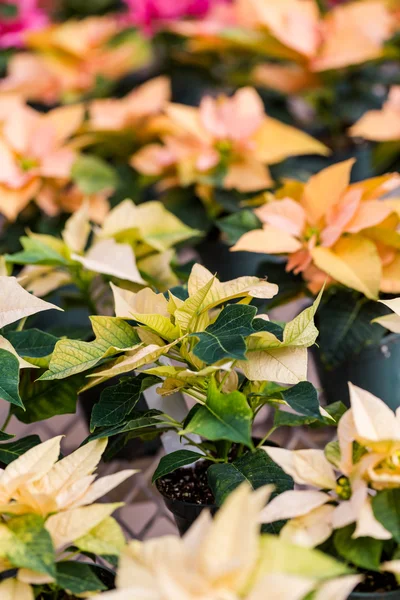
395	595
376	369
185	513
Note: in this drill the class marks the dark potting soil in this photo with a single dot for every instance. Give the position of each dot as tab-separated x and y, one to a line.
377	583
188	485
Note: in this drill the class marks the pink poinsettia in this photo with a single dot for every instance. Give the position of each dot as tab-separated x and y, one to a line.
18	17
148	14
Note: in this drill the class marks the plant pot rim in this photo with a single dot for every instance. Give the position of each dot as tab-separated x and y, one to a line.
394	594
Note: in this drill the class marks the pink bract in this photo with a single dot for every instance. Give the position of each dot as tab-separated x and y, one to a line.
28	17
149	14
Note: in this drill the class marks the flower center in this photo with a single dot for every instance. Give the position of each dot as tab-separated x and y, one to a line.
27	163
343	488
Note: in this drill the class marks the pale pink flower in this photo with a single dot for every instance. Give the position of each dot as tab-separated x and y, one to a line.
18	17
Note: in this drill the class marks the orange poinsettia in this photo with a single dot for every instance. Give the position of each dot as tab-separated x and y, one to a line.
228	141
295	31
381	125
66	59
34	151
330	228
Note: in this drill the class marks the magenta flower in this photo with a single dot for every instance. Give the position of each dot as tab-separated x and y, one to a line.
18	17
150	14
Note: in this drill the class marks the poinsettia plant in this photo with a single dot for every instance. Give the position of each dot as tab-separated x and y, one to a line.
350	505
206	343
49	515
227	557
329	231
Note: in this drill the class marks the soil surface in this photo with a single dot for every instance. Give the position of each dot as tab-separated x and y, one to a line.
188	485
377	583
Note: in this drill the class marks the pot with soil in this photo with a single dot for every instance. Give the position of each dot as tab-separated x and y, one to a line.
186	493
377	586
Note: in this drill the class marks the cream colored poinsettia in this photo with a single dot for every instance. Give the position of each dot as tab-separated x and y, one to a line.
37	482
342	493
167	327
132	240
217	559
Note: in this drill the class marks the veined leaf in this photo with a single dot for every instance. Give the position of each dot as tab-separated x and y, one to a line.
175	460
32	343
37	252
386	510
224	417
160	325
30	545
137	424
78	578
303	398
269	360
256	468
106	539
188	314
13	450
117	401
225	337
301	331
45	399
9	378
362	552
113	335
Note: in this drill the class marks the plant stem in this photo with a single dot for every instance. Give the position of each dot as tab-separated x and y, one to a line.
21	324
270	432
6	422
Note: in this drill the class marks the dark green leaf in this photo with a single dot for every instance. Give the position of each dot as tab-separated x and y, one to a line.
345	328
78	578
5	436
364	552
224	417
256	468
336	410
236	225
286	419
31	546
386	510
175	460
92	174
32	343
12	450
274	328
45	399
117	401
303	398
225	337
9	378
140	424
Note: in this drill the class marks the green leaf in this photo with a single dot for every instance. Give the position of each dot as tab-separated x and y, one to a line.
236	225
117	401
175	460
92	174
303	398
46	399
386	510
78	578
139	424
5	436
224	417
301	331
345	328
279	556
35	252
256	468
287	419
225	337
12	450
32	343
73	356
274	328
30	546
106	539
9	378
364	552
